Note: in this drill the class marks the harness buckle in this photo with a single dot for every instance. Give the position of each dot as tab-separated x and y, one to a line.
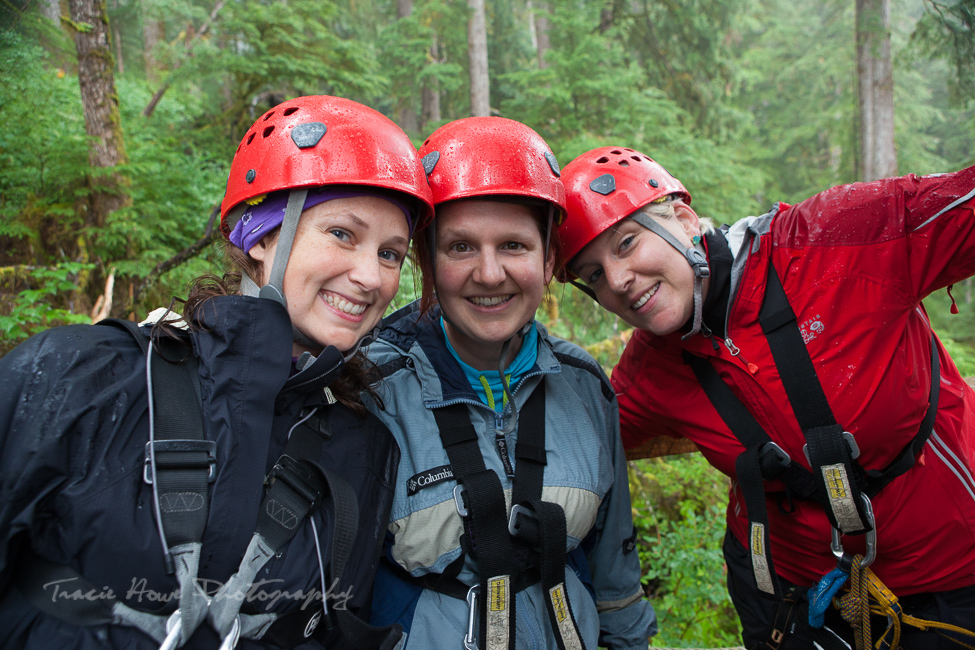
180	447
698	262
297	477
513	526
459	501
470	639
836	544
773	460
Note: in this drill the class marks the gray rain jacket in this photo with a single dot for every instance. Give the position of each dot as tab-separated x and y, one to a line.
585	474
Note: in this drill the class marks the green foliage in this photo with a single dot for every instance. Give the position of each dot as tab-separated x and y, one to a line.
947	31
32	310
679	504
405	54
592	94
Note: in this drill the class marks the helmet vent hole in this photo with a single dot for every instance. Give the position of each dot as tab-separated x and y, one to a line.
268	116
630	150
250	138
636	158
647	158
290	111
623	163
268	131
616	151
602	160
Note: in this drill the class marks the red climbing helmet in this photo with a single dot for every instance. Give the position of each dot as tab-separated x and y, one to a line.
491	156
322	140
604	186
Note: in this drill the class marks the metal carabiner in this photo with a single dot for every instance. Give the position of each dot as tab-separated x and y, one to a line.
174	630
230	641
470	640
836	544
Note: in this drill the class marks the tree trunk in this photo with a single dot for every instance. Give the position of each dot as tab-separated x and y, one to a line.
153	33
542	31
875	82
99	101
51	9
430	97
406	112
606	17
477	52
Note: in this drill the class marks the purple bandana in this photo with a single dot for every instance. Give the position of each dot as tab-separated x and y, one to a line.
260	219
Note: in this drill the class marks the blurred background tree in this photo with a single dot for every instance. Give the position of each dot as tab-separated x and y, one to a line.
747	101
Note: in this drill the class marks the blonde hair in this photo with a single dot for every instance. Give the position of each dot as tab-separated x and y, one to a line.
665	209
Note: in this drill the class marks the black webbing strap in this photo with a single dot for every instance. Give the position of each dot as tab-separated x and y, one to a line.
552	534
530	449
829	452
297	485
488	536
185	462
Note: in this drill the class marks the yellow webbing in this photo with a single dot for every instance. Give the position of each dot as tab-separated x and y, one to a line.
868	594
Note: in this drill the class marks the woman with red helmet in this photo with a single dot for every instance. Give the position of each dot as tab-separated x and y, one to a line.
793	349
218	480
511	524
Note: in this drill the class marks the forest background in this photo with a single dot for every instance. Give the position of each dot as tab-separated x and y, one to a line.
120	119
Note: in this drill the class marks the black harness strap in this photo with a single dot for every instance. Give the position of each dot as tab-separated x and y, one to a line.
828	446
498	543
764	460
487	531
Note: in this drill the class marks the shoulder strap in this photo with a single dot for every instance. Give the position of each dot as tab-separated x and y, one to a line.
830	449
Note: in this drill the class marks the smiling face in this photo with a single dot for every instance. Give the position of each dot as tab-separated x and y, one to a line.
491	271
344	268
640	277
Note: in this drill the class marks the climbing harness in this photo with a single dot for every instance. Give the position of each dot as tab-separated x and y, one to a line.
837	482
512	551
179	465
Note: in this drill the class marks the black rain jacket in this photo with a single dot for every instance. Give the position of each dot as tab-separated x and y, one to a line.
74	423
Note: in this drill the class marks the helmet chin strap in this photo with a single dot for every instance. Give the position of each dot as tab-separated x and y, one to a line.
695	257
274	289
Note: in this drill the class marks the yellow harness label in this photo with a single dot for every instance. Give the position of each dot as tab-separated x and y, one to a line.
498	589
564	626
760	567
841	497
835	479
558	603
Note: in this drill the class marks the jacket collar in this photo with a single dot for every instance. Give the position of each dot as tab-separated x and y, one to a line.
442	381
244	337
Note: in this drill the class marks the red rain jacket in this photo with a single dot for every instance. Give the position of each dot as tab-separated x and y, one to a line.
855	262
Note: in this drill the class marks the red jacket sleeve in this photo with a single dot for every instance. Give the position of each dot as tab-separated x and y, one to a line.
638	420
932	217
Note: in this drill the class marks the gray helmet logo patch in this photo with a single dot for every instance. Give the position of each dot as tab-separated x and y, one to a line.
430	161
553	163
308	134
604	184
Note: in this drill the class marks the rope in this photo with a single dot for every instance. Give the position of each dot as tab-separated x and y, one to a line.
869	595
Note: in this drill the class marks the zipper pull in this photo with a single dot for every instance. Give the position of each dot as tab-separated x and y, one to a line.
735	352
502	444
